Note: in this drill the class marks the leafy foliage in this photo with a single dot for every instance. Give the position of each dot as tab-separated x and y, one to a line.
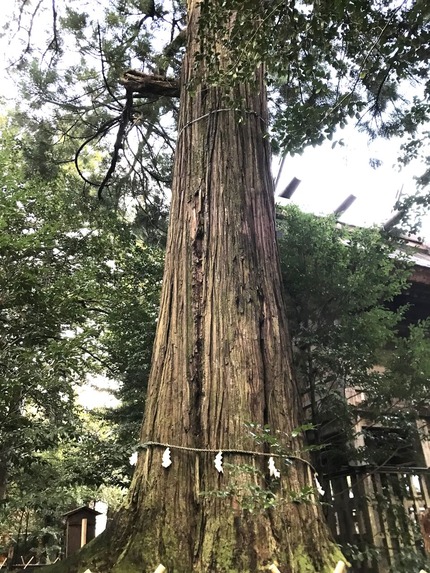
341	283
327	61
73	99
69	268
129	337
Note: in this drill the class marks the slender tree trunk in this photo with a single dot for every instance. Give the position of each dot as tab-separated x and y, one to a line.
10	420
3	474
221	361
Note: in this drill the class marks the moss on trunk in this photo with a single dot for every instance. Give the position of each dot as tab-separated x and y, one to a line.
99	556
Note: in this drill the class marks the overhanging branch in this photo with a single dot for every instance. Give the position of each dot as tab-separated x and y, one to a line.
137	84
146	85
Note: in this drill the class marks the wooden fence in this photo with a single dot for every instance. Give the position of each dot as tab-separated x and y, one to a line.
383	512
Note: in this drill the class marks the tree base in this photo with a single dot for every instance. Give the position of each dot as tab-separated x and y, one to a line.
103	555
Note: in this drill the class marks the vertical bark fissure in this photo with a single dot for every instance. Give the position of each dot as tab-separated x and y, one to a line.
203	340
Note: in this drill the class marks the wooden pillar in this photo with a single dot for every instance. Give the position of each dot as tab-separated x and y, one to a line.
84	527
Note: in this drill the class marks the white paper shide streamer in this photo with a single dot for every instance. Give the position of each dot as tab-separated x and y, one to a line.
319	488
166	462
218	463
273	470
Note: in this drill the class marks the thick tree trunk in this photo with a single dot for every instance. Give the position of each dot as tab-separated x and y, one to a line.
221	356
221	361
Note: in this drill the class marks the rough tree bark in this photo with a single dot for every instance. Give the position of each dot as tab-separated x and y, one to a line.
221	360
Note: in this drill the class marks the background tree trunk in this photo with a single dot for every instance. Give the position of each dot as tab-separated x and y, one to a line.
3	474
10	421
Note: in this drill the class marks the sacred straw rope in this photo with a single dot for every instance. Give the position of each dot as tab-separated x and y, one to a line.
214	111
146	445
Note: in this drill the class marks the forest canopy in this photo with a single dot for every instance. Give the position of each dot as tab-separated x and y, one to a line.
326	64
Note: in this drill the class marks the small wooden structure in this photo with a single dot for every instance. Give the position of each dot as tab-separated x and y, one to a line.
80	528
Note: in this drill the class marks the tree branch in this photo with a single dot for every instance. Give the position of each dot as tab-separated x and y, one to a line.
144	85
125	119
99	133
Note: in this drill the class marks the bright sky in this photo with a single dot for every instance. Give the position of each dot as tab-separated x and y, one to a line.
97	393
329	175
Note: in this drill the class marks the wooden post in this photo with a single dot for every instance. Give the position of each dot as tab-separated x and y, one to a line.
27	564
160	569
340	567
84	527
424	522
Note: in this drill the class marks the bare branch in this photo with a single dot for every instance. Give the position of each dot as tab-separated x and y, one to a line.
99	133
54	27
125	119
144	85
